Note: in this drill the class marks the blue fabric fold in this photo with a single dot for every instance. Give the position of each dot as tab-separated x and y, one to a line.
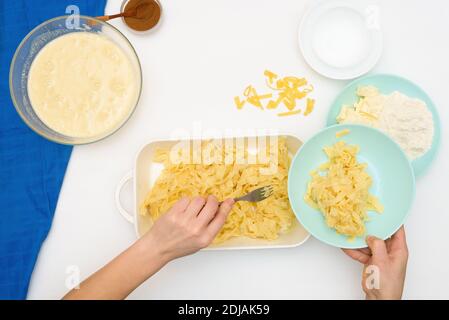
31	168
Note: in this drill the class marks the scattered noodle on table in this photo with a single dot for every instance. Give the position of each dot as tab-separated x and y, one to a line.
286	91
264	220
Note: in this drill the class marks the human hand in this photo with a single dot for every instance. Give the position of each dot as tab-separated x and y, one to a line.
188	226
390	260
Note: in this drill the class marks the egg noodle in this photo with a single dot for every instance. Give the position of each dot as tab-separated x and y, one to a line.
286	91
340	190
266	219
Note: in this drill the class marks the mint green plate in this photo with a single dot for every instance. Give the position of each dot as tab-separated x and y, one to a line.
388	83
393	182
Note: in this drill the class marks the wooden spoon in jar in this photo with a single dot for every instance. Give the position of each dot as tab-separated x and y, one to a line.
137	12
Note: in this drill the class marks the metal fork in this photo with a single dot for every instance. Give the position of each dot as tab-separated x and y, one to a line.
257	195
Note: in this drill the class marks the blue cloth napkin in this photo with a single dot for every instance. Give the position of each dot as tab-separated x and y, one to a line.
31	168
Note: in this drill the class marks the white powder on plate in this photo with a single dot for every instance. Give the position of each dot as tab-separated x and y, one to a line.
407	120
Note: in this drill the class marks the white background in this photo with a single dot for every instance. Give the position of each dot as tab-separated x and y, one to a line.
202	55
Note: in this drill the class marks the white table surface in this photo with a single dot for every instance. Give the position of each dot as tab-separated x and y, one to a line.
203	54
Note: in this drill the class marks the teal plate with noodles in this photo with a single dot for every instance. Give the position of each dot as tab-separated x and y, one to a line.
388	83
391	172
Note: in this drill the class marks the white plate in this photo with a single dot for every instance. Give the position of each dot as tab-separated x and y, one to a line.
144	175
341	39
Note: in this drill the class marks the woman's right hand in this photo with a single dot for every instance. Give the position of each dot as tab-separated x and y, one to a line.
385	266
188	226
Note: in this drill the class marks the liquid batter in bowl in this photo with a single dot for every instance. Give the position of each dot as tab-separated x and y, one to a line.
82	85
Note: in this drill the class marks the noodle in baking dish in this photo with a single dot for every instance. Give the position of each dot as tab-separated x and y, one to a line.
228	178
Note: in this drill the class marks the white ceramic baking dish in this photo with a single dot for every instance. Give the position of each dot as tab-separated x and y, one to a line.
145	174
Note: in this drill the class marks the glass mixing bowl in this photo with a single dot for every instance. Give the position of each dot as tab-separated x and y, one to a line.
30	47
